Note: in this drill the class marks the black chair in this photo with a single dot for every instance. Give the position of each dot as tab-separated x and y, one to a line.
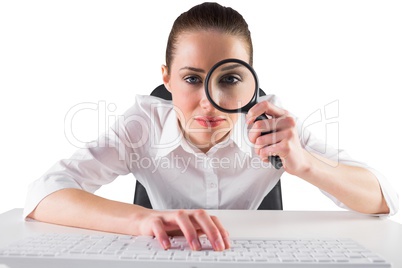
272	201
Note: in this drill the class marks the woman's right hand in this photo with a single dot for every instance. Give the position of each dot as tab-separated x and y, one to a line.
86	210
190	223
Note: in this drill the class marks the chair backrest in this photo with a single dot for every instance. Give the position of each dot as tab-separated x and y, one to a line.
272	201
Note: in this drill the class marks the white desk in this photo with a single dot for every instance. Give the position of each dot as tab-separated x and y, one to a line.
378	234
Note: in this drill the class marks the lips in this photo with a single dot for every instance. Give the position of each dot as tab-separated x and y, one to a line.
209	121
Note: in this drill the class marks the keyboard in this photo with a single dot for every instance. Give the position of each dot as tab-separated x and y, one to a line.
107	250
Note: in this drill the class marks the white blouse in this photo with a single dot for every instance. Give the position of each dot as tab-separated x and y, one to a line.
148	143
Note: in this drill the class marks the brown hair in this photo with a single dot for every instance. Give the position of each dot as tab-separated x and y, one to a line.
209	16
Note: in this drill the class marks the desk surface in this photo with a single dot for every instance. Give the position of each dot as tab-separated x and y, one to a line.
380	235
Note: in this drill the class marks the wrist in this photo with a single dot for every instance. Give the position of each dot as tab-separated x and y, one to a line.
137	220
316	167
306	166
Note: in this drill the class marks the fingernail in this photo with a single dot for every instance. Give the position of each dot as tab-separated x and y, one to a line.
166	244
195	244
219	245
227	241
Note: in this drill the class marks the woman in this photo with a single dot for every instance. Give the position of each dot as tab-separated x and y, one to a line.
189	155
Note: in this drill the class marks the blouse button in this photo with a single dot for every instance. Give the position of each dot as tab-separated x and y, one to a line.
212	185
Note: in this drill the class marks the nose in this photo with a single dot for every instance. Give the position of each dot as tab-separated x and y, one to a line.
205	104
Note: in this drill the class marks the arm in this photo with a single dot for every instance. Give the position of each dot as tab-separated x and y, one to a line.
77	208
356	187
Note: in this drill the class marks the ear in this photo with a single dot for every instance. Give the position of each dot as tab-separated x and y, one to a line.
166	77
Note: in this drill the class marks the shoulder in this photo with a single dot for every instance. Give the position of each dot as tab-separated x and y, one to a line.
148	112
149	106
144	119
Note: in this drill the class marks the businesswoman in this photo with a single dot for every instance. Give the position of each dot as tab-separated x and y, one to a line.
196	156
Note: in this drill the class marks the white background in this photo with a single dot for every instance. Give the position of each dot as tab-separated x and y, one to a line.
57	54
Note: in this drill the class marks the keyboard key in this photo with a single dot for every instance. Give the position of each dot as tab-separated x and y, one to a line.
225	258
243	259
259	259
306	259
123	257
207	258
378	260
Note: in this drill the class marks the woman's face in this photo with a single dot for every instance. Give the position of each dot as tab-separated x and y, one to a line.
196	52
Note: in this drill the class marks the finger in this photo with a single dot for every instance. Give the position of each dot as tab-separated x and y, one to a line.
211	230
160	234
264	107
277	149
269	140
258	128
270	125
222	230
188	230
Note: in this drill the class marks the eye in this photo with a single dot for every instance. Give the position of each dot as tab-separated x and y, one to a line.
192	80
230	79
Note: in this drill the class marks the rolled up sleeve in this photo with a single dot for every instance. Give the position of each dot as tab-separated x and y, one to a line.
88	168
312	144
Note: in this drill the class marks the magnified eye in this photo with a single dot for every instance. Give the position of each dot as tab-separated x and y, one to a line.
230	79
231	85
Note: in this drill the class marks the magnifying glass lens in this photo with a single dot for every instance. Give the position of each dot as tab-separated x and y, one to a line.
231	86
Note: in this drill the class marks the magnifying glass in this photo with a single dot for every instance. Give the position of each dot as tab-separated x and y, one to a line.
232	87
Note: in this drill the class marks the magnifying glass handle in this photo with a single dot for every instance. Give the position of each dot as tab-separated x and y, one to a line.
275	160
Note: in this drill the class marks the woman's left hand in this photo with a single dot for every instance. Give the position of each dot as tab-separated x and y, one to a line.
282	138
